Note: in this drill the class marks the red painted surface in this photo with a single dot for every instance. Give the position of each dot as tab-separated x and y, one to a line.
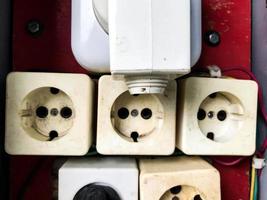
51	51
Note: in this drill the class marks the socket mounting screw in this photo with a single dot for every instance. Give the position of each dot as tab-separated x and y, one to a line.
34	27
213	38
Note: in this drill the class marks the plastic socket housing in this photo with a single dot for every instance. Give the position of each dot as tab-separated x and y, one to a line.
135	124
48	114
217	116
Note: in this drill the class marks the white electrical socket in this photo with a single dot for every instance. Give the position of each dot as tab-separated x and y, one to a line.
135	124
48	114
99	178
90	41
217	116
178	178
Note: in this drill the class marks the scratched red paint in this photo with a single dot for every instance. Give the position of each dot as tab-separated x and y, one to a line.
51	52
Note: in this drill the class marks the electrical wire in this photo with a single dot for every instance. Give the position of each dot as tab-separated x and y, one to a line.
260	91
253	175
231	163
256	188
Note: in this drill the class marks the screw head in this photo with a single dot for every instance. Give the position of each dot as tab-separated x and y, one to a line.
212	38
34	27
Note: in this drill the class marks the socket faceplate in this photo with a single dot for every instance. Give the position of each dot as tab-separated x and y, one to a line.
217	116
135	124
53	116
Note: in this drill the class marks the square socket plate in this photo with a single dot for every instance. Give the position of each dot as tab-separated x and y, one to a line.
25	132
178	178
157	134
210	133
121	174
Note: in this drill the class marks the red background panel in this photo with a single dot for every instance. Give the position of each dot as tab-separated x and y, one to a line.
51	51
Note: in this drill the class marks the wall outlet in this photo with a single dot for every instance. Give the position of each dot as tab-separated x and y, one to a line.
135	124
99	178
217	116
48	114
178	178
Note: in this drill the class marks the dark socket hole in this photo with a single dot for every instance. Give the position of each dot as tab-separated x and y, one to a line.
53	135
54	112
176	189
146	113
213	95
197	197
42	112
175	198
66	112
134	136
221	115
201	114
123	113
96	192
135	95
210	135
134	113
54	90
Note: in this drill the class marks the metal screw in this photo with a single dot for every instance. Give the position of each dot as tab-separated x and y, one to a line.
210	114
54	112
134	113
34	27
213	38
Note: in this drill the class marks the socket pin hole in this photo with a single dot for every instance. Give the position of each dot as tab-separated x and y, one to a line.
146	113
210	135
53	135
176	189
221	115
175	198
54	90
134	136
41	112
213	95
197	197
54	112
201	115
211	114
134	113
66	112
123	113
136	95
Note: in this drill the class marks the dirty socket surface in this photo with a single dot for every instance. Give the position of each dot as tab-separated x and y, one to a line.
136	116
47	113
220	116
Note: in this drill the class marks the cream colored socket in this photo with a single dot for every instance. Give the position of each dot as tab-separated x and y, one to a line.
183	178
48	114
135	125
217	116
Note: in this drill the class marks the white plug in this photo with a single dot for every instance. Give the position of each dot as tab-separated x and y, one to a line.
99	178
48	114
178	178
217	116
160	43
135	124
